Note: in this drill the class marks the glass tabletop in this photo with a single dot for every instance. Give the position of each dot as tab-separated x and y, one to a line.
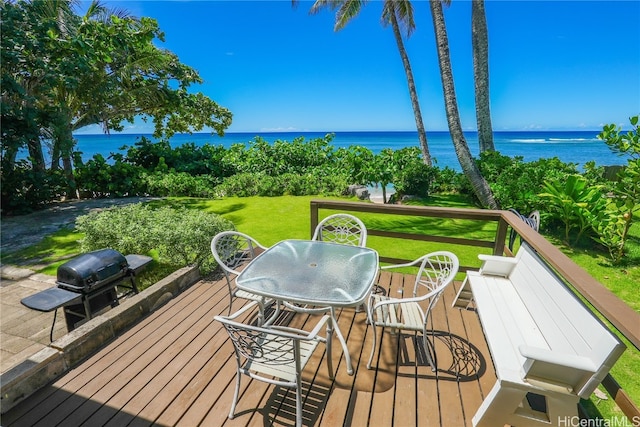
312	272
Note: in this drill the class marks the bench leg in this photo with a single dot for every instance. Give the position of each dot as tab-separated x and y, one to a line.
464	297
507	405
562	410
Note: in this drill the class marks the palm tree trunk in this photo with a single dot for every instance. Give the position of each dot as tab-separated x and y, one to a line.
422	135
63	140
480	43
472	172
36	154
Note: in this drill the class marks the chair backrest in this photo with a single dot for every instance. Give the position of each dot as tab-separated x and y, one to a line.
341	228
533	221
437	270
263	346
232	249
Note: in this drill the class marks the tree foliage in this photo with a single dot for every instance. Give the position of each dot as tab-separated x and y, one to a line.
62	72
615	221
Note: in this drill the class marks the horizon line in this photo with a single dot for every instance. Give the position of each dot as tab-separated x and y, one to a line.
340	131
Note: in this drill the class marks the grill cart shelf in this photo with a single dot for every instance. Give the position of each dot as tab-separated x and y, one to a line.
87	284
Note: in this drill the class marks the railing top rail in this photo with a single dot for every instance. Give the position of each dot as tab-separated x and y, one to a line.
432	211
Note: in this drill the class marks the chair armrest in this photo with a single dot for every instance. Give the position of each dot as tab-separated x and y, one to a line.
408	264
400	301
249	306
555	369
494	265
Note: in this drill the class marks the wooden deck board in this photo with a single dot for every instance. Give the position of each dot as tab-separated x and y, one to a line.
177	367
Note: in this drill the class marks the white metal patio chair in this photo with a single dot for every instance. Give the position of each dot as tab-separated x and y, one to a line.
339	228
437	270
275	354
232	250
533	221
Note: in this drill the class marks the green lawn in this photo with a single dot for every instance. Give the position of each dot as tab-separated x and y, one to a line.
270	219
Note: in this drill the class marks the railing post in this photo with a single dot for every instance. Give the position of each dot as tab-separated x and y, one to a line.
501	236
314	217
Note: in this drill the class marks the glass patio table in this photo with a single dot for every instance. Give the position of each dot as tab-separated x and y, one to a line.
314	273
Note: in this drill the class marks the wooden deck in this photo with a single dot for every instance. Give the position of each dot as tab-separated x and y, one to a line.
176	367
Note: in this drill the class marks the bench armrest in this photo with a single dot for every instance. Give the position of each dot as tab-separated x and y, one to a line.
553	370
494	265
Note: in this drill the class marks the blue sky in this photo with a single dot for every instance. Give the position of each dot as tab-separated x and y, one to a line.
554	65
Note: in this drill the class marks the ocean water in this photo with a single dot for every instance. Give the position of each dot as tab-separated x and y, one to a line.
569	146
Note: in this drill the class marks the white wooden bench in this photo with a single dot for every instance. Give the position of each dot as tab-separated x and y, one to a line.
548	348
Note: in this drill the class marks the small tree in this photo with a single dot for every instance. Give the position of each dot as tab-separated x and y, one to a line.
382	170
614	223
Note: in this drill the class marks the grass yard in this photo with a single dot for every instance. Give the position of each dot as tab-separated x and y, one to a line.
271	219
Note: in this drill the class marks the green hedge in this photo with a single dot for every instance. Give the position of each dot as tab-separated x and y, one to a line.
179	236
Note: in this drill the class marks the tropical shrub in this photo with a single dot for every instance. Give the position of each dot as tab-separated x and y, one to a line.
180	184
25	189
297	156
517	184
140	229
146	153
261	184
356	163
101	179
575	203
414	179
241	185
447	180
189	158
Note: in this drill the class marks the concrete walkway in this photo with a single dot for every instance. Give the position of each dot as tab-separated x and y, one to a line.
24	332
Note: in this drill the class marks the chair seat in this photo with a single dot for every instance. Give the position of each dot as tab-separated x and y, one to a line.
285	371
239	293
402	315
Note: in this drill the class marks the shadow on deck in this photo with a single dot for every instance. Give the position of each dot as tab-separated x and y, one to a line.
176	367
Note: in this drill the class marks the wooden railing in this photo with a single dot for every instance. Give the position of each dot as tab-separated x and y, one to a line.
613	309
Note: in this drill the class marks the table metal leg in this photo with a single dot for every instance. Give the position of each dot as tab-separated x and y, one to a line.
345	349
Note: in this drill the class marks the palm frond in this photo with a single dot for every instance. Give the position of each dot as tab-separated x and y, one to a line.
348	10
324	4
403	10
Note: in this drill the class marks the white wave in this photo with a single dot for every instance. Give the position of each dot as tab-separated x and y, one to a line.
573	139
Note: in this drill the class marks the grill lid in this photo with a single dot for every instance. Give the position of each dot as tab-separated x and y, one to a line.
92	270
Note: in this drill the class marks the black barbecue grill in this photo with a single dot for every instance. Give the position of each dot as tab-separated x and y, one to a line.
92	271
87	284
95	275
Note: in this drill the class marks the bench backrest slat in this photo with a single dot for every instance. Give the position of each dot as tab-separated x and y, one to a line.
564	320
560	316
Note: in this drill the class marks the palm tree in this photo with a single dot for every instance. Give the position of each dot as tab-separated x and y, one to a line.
392	10
398	13
472	172
480	43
